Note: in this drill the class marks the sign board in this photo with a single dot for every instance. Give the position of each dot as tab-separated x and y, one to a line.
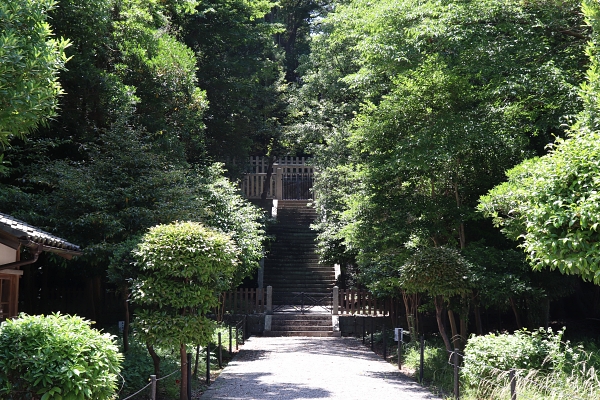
121	326
398	334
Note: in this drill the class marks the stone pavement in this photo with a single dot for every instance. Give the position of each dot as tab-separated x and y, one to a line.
311	368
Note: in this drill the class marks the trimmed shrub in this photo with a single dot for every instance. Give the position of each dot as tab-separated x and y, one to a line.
56	357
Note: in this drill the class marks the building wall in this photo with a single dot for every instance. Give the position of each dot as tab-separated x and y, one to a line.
7	254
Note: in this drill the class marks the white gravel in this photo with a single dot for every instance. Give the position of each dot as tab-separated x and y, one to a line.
311	368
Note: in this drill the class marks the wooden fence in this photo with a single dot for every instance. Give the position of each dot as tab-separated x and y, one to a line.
244	301
292	179
361	302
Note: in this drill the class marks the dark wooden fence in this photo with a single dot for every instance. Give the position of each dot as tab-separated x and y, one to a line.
244	301
361	302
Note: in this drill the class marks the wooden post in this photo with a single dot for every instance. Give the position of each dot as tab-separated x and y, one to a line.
189	376
153	387
269	300
336	300
372	329
196	363
384	340
422	359
455	362
230	340
220	353
513	384
207	364
400	352
279	184
364	330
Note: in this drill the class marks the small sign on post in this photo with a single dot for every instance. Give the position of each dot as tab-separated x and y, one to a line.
121	326
399	335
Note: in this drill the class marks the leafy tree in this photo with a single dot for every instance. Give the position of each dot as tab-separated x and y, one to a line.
422	106
550	203
30	60
443	273
183	268
241	70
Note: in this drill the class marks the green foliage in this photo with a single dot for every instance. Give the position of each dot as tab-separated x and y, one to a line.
56	357
437	371
546	367
183	268
551	202
420	106
137	367
241	70
30	60
440	271
539	349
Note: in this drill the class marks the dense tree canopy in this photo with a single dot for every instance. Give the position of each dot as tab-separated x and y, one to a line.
412	110
551	203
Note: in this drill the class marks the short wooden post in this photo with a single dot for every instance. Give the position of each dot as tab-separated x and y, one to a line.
237	347
152	387
422	359
372	329
384	340
220	352
269	299
208	364
230	340
455	362
400	350
196	363
513	385
364	328
189	376
336	300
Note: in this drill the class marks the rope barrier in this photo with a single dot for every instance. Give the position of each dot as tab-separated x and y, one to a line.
138	392
172	373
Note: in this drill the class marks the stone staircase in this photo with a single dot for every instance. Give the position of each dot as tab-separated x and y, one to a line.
292	267
314	325
292	264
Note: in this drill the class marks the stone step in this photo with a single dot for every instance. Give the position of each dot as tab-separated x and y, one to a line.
302	333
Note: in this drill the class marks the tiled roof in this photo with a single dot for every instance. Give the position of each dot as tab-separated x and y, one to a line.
25	231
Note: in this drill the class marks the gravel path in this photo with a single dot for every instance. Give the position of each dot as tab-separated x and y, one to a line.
311	368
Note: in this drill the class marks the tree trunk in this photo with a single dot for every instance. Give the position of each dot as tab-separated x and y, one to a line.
456	342
155	359
411	304
439	309
478	324
184	378
516	312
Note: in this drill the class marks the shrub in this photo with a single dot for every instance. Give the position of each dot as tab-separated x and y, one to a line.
488	356
54	357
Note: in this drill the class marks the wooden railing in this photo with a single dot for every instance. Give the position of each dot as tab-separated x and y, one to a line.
291	179
244	301
362	302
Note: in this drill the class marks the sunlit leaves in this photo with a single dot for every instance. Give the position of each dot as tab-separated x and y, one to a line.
30	59
183	267
551	203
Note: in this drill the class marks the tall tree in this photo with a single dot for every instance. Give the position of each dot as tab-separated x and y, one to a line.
422	106
241	69
550	204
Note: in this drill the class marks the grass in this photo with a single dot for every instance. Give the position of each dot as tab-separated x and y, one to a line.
574	379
